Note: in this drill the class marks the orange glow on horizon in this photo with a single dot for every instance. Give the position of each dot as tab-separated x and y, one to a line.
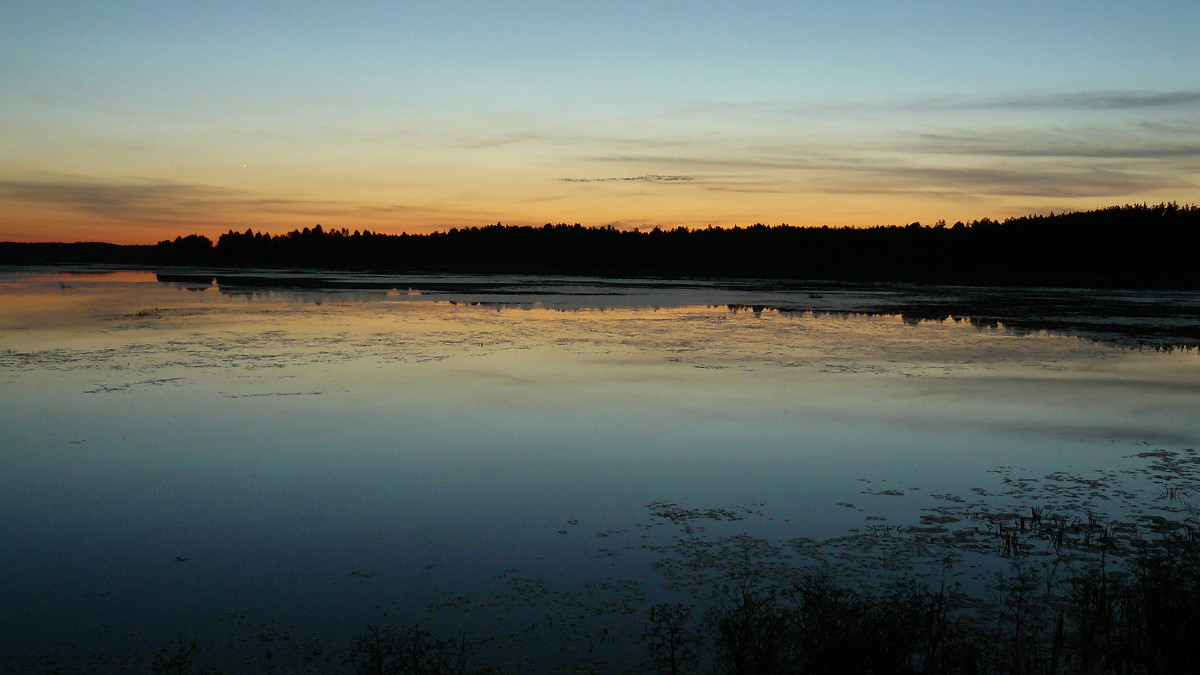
31	223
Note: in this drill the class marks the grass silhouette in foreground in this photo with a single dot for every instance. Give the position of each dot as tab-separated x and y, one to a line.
1130	246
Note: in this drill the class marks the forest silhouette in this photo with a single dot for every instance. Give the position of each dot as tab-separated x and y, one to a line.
1120	246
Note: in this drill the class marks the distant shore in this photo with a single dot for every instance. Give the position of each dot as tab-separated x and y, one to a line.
1131	246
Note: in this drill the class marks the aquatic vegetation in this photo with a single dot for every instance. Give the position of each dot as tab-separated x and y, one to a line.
403	650
1057	592
463	482
1062	593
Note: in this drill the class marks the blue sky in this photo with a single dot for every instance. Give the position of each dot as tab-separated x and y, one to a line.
133	121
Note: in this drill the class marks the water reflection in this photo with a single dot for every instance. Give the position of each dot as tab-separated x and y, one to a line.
1155	319
325	456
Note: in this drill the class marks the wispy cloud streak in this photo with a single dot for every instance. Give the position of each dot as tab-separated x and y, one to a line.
1113	145
648	178
1080	100
113	199
159	203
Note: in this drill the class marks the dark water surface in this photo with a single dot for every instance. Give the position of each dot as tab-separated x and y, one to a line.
210	457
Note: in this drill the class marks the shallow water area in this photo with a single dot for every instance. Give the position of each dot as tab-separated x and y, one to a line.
186	458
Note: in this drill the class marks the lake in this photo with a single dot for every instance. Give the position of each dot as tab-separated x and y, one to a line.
268	462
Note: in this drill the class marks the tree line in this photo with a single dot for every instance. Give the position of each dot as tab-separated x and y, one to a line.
1118	246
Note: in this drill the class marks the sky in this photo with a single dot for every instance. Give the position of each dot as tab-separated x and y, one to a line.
133	122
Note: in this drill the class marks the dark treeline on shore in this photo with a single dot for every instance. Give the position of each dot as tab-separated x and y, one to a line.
1118	246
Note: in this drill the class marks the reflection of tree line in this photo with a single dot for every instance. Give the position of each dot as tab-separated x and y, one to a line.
1116	246
1130	328
1164	326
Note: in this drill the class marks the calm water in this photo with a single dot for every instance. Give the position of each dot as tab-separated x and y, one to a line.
180	457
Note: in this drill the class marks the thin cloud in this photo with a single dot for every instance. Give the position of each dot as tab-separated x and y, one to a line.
500	141
1079	145
161	203
892	172
116	200
1020	181
1176	127
747	190
1094	100
1102	100
722	158
1080	100
1063	162
648	178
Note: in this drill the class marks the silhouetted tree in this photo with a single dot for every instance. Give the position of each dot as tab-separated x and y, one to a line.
1132	245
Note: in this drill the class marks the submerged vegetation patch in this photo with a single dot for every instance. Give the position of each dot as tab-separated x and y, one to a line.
1056	571
1060	573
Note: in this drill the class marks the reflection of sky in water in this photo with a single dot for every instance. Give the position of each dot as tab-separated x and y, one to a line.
280	444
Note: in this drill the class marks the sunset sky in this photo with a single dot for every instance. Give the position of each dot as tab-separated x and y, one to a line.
136	121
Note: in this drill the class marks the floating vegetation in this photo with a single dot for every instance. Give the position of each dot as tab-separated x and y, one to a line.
1031	578
1048	571
122	387
274	393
